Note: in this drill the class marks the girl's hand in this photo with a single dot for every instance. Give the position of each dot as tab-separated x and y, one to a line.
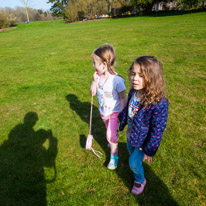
148	158
95	77
93	88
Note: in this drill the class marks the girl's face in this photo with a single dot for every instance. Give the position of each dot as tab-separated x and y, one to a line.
98	64
136	78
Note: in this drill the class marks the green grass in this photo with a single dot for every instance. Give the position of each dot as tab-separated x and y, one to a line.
46	68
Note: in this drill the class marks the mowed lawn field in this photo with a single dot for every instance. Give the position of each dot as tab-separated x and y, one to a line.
45	76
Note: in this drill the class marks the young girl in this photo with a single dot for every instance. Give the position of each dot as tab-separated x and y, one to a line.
146	114
110	89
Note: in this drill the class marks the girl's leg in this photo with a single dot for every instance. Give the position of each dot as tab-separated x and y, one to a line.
129	147
112	137
105	120
135	162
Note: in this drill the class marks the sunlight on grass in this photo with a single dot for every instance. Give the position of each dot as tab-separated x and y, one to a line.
46	68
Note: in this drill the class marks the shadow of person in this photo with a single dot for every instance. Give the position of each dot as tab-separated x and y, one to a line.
83	111
156	192
22	159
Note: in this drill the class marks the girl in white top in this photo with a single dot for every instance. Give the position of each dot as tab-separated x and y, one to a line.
110	90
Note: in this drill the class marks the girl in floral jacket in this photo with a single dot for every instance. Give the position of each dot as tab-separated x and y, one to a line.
145	114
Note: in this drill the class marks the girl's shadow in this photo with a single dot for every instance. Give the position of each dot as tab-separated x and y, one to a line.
156	192
83	111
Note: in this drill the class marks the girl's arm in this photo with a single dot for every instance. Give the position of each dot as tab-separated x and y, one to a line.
93	88
157	126
123	114
123	99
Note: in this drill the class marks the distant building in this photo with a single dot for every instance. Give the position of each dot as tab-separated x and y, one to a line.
160	6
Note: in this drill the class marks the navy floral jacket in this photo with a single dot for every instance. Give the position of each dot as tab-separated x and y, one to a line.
148	125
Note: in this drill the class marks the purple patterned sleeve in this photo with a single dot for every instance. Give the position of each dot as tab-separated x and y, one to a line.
157	127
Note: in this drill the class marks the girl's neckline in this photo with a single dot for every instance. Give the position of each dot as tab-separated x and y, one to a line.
107	76
138	94
101	84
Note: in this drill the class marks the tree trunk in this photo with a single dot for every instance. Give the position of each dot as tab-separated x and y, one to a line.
109	6
27	14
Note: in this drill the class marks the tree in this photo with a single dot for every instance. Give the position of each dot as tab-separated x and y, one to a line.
134	3
10	14
114	6
3	21
77	9
71	11
58	7
96	7
146	4
26	6
20	13
109	2
188	4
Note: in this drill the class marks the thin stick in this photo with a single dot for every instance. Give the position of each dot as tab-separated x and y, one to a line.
90	124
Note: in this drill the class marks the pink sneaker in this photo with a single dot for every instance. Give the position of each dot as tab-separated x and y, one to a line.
138	187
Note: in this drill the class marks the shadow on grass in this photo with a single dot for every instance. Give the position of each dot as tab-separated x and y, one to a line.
156	192
83	111
162	13
174	12
22	161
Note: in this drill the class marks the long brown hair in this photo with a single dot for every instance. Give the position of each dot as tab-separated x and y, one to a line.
107	54
151	70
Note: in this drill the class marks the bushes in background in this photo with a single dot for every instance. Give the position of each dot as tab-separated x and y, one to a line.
3	21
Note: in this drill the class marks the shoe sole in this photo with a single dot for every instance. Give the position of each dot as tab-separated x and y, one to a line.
111	168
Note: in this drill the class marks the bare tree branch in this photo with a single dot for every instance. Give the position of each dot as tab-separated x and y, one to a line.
26	6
